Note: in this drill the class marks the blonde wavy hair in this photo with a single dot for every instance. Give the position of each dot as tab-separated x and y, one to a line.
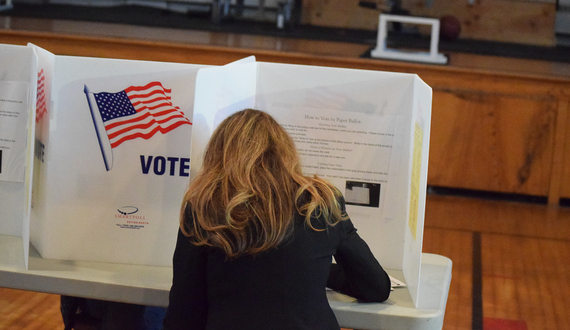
250	185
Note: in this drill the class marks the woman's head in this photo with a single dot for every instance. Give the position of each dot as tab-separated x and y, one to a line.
244	198
250	143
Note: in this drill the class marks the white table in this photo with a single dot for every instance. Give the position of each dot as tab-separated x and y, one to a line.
398	312
150	286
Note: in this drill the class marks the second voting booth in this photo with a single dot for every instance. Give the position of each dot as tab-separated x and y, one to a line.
107	183
112	143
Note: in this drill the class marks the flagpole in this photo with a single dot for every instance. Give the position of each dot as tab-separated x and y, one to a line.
104	144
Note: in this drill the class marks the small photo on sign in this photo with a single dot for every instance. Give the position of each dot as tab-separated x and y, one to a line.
362	193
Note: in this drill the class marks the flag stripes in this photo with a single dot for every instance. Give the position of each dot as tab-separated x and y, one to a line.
41	106
138	112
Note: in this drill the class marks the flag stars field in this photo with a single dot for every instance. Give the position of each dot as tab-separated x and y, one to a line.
114	105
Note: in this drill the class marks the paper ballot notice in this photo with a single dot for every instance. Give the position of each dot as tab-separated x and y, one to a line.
13	129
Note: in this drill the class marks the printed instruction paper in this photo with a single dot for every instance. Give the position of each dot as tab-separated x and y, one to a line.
352	147
13	129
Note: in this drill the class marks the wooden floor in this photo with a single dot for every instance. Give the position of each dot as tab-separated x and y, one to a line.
511	268
510	262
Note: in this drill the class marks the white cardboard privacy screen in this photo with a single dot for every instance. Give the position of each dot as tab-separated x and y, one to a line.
17	104
45	70
365	131
90	201
111	194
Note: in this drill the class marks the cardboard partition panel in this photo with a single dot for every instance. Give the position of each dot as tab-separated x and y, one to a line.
45	71
17	104
365	131
116	160
111	140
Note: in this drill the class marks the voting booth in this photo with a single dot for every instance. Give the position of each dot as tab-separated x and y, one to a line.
365	131
112	155
107	184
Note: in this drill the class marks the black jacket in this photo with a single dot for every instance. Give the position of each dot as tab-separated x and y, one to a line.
283	288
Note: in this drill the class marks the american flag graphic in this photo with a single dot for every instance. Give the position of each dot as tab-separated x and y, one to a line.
41	107
138	112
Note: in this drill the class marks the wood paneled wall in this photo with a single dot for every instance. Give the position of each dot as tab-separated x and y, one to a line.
518	21
494	133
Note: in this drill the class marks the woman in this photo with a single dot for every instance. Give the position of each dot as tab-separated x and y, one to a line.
256	238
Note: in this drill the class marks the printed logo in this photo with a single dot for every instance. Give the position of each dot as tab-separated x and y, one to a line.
130	218
135	112
128	210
